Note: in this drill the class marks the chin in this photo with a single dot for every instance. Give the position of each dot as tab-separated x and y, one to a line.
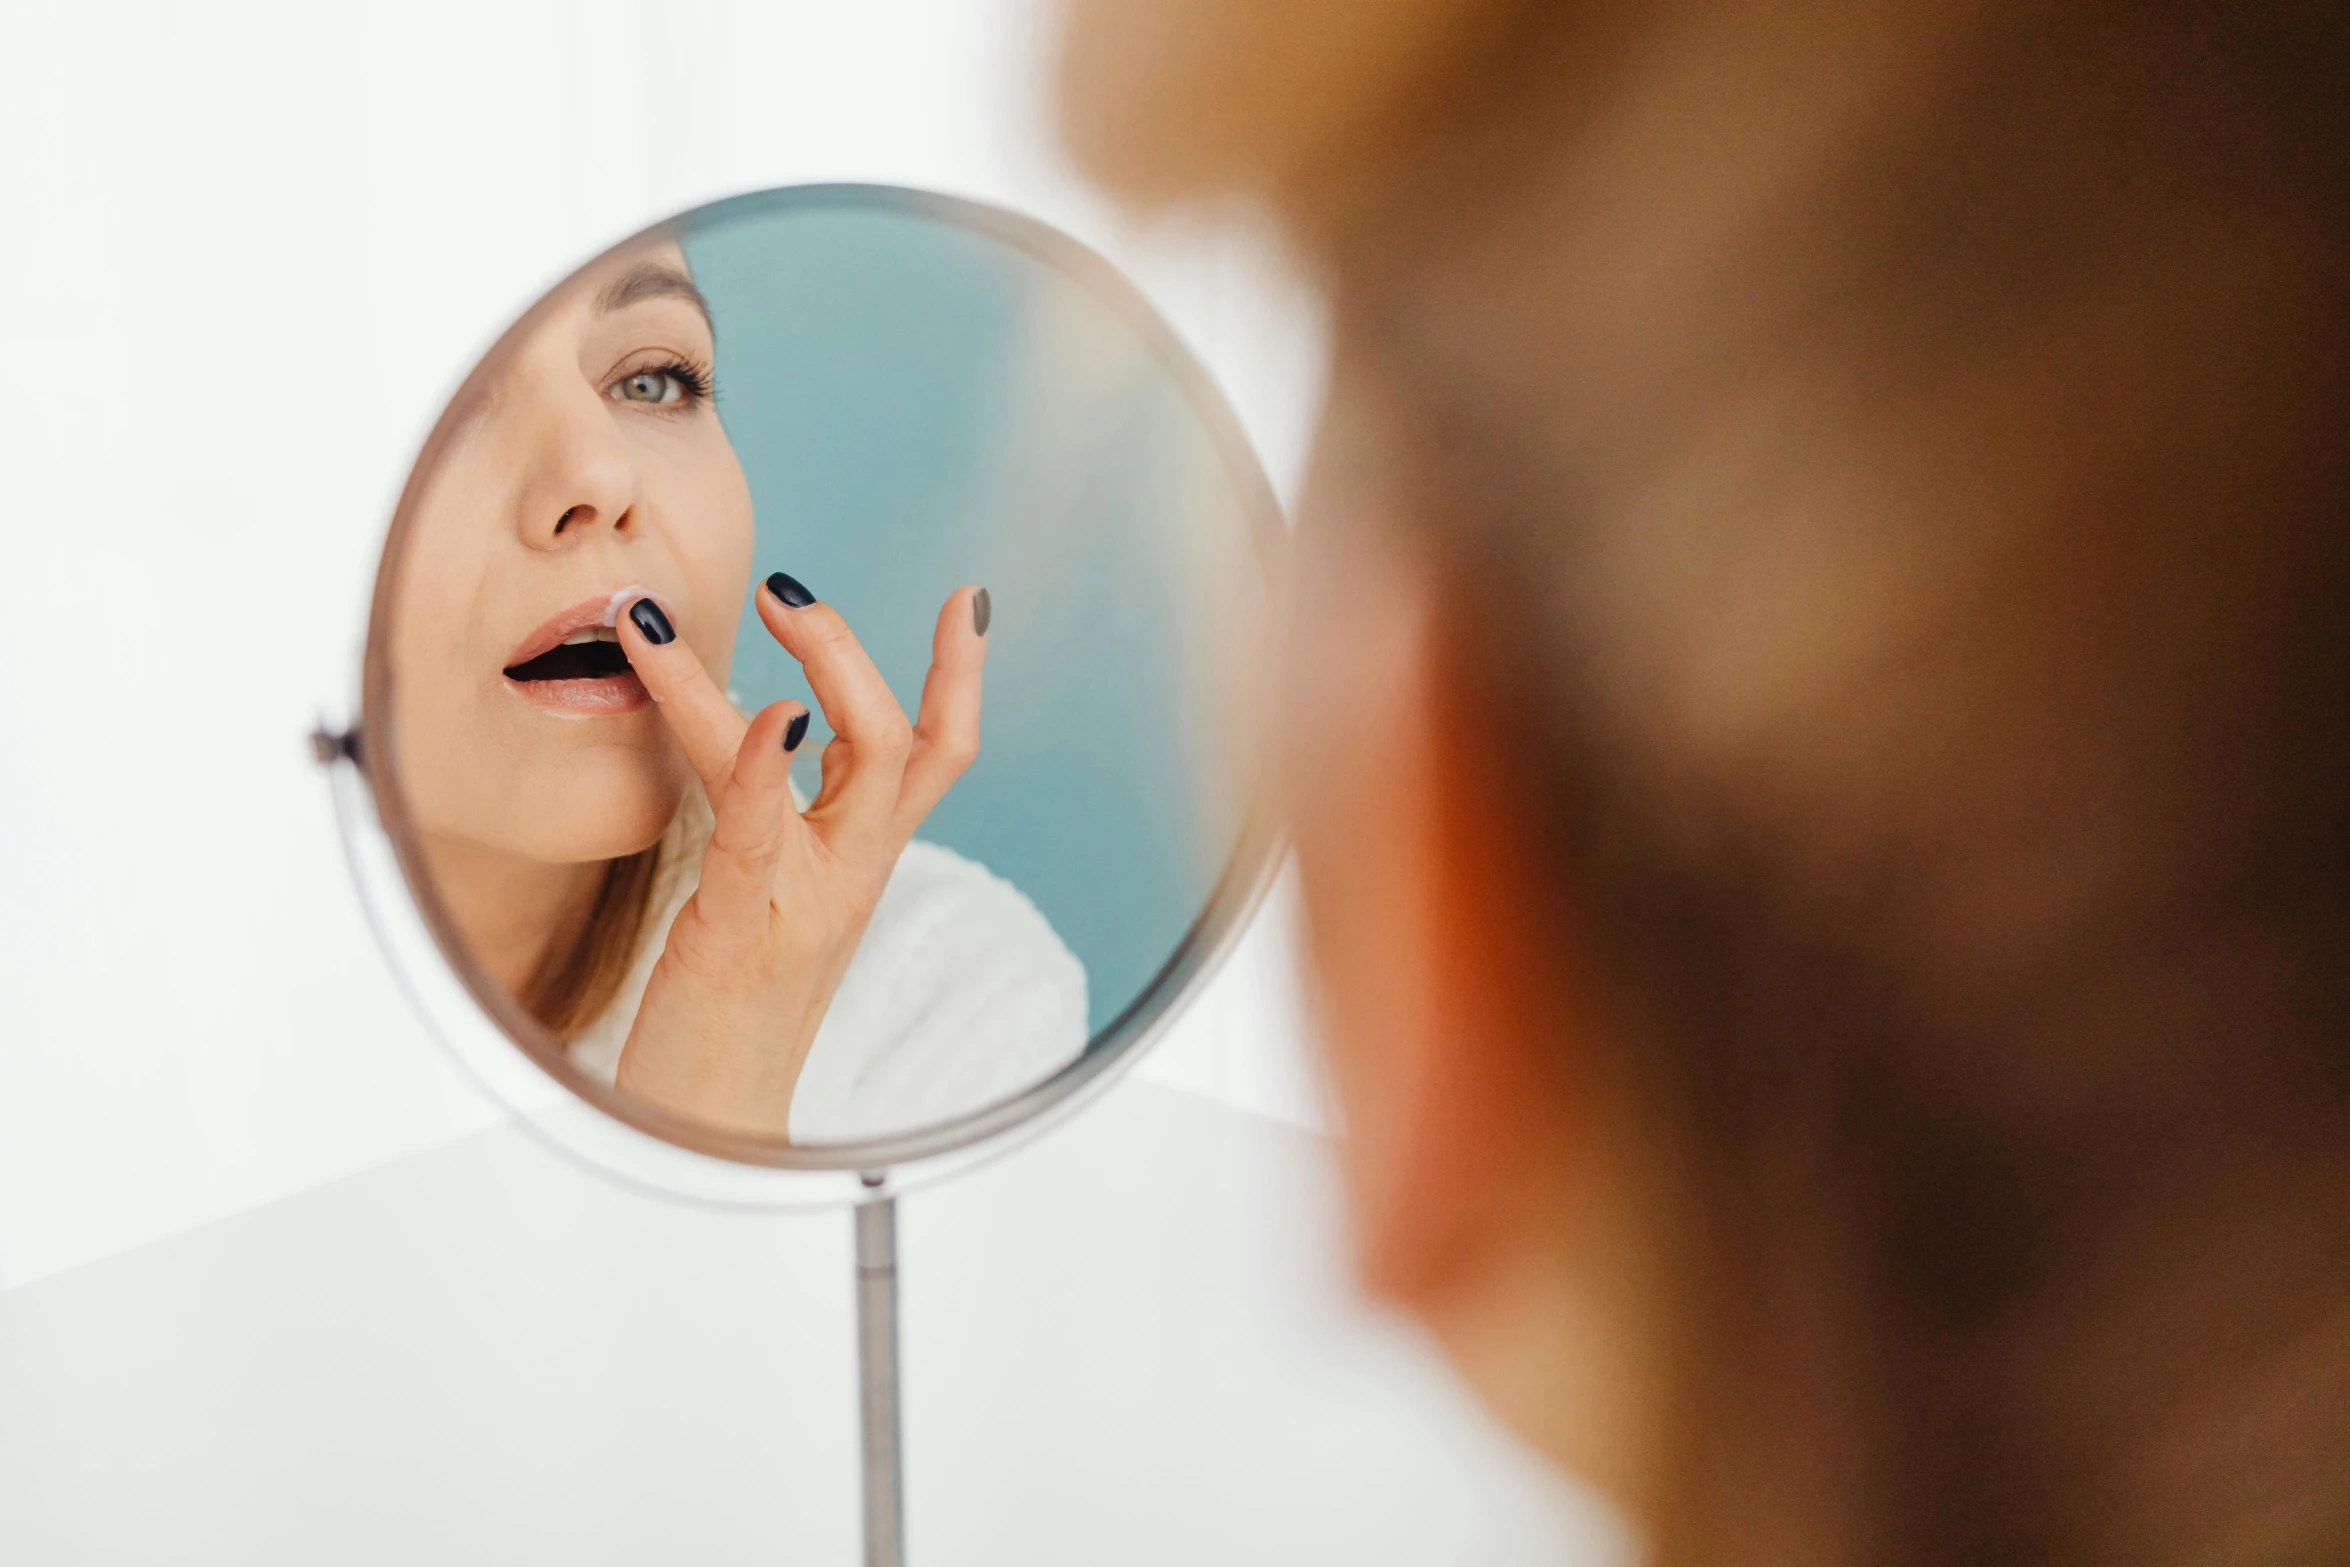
589	823
599	806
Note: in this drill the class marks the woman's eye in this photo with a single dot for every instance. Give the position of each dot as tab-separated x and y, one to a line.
648	386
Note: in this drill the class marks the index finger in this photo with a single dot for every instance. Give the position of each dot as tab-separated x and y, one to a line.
857	703
697	712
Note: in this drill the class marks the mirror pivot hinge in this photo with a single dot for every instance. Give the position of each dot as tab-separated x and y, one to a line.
328	744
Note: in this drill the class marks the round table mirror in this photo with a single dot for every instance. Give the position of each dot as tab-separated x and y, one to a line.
801	708
801	738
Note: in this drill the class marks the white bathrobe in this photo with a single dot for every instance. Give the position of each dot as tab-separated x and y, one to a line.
959	995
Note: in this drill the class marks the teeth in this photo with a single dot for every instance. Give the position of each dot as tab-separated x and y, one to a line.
591	634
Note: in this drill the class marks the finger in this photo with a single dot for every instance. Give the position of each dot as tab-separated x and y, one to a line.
696	711
755	824
858	705
946	735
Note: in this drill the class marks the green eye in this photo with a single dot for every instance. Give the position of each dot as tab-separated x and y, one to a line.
648	386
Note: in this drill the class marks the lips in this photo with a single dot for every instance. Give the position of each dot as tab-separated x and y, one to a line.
574	664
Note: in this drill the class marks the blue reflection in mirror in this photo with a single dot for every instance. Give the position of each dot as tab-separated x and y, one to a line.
919	404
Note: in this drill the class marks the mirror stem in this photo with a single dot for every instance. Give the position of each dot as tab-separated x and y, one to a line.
877	1379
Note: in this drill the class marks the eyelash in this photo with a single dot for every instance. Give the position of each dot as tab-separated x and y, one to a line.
695	381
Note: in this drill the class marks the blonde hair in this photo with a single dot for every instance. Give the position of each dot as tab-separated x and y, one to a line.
1897	523
577	979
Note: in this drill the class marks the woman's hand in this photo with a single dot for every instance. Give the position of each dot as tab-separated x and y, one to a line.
754	957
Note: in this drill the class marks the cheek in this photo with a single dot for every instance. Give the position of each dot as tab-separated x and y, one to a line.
436	634
439	631
1355	760
711	535
439	664
1351	982
1366	927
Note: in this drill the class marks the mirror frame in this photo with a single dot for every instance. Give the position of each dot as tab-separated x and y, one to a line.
525	1067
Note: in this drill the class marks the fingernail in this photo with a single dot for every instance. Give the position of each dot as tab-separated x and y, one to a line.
788	591
982	611
795	731
652	622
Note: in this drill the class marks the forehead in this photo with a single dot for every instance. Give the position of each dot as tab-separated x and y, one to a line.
653	273
646	286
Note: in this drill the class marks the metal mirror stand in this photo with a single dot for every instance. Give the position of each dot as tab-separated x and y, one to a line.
877	1378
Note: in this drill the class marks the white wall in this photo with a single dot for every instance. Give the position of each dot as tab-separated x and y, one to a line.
245	251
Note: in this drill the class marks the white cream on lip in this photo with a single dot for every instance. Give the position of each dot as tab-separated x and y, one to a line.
577	703
629	595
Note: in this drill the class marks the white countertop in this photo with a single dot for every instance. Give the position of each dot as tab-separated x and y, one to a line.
1131	1342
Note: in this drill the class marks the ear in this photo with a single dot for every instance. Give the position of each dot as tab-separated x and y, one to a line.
1444	1010
1498	1191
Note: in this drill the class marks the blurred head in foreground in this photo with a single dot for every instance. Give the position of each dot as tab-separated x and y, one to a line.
1819	741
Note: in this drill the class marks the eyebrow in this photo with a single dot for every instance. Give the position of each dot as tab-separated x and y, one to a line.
650	280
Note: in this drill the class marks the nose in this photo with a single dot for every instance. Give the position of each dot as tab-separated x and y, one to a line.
582	478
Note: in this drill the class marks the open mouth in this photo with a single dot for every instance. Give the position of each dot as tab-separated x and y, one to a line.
593	654
574	665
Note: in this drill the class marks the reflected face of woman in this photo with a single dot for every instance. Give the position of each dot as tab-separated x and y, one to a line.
588	462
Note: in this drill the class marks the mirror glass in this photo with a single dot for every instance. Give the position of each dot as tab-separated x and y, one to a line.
804	688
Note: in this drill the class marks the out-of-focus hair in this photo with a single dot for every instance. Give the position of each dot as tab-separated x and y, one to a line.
1892	463
582	972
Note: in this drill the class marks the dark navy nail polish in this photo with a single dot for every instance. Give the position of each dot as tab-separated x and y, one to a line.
652	622
789	592
795	731
982	611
